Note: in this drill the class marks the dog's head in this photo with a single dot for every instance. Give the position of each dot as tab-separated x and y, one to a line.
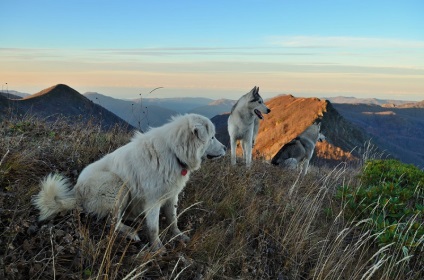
321	137
256	103
195	139
204	131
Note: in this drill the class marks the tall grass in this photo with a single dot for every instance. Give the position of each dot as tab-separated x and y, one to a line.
261	223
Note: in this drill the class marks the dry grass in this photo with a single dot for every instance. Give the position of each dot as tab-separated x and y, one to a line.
261	223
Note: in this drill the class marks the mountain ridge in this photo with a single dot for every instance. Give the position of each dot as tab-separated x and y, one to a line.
61	101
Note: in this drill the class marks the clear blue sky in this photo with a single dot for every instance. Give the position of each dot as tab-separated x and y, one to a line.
218	49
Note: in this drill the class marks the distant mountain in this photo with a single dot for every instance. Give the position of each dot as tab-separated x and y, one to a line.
181	105
290	116
419	104
139	114
214	108
157	111
399	130
60	101
9	95
13	94
370	101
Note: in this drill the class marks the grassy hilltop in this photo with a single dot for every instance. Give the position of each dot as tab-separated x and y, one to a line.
262	223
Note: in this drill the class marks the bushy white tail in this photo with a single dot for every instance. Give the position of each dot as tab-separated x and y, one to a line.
56	195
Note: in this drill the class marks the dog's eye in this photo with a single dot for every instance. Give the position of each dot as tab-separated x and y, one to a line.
260	102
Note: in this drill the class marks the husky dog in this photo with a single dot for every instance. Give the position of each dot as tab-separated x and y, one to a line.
299	150
243	123
138	178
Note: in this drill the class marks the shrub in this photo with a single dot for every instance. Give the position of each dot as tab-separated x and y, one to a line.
391	196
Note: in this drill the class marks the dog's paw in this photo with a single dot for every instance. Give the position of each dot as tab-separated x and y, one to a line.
157	247
134	237
183	237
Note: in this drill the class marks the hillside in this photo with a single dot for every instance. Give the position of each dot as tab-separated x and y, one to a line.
399	130
57	102
290	116
243	223
137	113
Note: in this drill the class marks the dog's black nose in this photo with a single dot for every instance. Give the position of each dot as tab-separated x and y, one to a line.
225	149
269	110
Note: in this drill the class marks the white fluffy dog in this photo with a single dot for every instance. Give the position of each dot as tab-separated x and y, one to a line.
138	178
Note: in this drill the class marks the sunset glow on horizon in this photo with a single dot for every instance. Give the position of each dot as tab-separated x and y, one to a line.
216	49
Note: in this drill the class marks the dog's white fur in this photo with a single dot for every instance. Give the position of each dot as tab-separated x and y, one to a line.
243	123
138	178
298	152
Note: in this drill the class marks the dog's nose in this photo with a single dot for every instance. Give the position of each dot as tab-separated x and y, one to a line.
269	110
225	149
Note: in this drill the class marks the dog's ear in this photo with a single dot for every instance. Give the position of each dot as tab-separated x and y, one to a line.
199	131
255	92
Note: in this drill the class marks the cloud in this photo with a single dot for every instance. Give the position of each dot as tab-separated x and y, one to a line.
11	54
202	51
150	51
343	42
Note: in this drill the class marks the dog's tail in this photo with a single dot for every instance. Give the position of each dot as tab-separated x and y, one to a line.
290	163
56	195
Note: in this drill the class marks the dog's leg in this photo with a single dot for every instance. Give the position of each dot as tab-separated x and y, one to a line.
233	150
121	204
305	166
170	210
247	150
152	222
307	160
255	131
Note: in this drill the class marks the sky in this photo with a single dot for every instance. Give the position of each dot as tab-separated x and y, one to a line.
216	49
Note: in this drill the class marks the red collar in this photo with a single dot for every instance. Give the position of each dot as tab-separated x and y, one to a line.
184	167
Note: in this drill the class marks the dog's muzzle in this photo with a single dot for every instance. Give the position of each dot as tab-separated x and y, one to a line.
258	113
211	156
